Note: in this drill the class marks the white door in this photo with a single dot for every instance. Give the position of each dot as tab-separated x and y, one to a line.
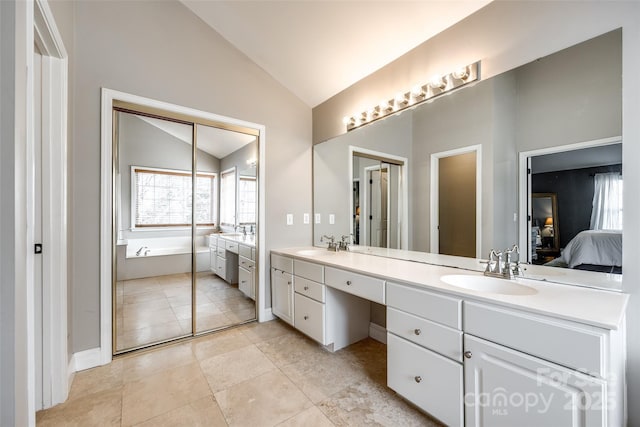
377	218
506	388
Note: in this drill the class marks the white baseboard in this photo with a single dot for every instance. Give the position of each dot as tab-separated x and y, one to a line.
86	359
266	315
71	372
378	333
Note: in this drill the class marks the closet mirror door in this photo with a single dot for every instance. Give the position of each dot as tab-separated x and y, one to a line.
226	212
153	215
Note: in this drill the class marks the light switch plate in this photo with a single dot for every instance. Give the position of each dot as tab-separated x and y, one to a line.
289	219
332	219
305	218
318	216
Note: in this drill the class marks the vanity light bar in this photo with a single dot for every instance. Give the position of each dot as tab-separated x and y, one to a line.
437	86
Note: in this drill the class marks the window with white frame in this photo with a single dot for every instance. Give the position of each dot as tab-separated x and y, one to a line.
228	197
247	200
162	198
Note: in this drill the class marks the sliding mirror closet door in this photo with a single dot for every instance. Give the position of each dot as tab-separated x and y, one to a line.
153	188
225	242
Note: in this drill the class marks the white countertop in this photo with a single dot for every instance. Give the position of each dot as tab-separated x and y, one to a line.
248	240
600	308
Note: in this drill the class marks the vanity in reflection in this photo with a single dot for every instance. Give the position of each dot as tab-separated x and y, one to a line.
542	349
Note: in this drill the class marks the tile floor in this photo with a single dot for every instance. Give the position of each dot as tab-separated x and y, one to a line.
254	375
155	309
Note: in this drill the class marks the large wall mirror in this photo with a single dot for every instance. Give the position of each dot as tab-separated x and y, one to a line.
185	219
570	100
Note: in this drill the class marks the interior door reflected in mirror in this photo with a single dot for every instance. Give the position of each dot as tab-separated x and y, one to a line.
377	203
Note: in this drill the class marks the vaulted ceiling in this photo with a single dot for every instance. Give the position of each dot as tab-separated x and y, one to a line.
317	48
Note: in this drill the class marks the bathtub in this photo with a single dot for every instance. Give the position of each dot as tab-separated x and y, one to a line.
160	256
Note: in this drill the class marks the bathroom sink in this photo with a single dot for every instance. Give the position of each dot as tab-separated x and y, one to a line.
492	285
314	252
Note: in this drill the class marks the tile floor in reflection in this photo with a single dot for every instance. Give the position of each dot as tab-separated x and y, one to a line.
155	309
254	375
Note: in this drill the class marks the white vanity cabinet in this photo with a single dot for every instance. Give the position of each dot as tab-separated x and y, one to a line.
282	287
424	351
246	269
539	370
506	388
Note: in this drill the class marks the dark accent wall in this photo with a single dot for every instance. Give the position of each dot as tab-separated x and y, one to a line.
575	194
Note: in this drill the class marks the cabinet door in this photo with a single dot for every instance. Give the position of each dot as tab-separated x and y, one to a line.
245	282
282	295
213	257
504	387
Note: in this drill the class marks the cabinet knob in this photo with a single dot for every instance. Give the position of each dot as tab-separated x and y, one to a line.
348	282
244	281
288	283
418	378
417	331
468	354
306	317
306	288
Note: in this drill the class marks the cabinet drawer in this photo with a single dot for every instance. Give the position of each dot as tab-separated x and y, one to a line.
245	263
221	251
245	251
430	381
222	267
578	348
308	270
231	246
310	289
213	241
363	286
441	339
435	307
283	263
310	317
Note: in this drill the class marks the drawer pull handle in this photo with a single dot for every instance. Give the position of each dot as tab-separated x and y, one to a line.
244	281
348	282
306	288
418	378
417	331
468	354
306	317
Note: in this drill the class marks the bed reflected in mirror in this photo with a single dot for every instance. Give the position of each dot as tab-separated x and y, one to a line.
581	190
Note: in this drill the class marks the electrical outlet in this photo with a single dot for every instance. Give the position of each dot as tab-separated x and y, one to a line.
332	219
289	219
318	218
305	218
515	217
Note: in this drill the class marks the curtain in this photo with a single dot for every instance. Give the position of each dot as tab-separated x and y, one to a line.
606	213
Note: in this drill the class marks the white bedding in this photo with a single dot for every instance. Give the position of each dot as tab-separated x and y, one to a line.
601	247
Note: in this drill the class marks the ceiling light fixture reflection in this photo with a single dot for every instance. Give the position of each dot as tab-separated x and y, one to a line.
437	86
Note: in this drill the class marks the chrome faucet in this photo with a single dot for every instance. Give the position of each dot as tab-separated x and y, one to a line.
244	229
500	264
343	245
139	251
333	245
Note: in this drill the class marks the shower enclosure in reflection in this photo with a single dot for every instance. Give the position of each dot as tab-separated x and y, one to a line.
178	218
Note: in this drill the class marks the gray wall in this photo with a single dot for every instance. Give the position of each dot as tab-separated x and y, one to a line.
160	50
7	216
142	144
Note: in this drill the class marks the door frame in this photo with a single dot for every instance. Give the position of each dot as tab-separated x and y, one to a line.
404	218
56	377
103	354
435	204
524	187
